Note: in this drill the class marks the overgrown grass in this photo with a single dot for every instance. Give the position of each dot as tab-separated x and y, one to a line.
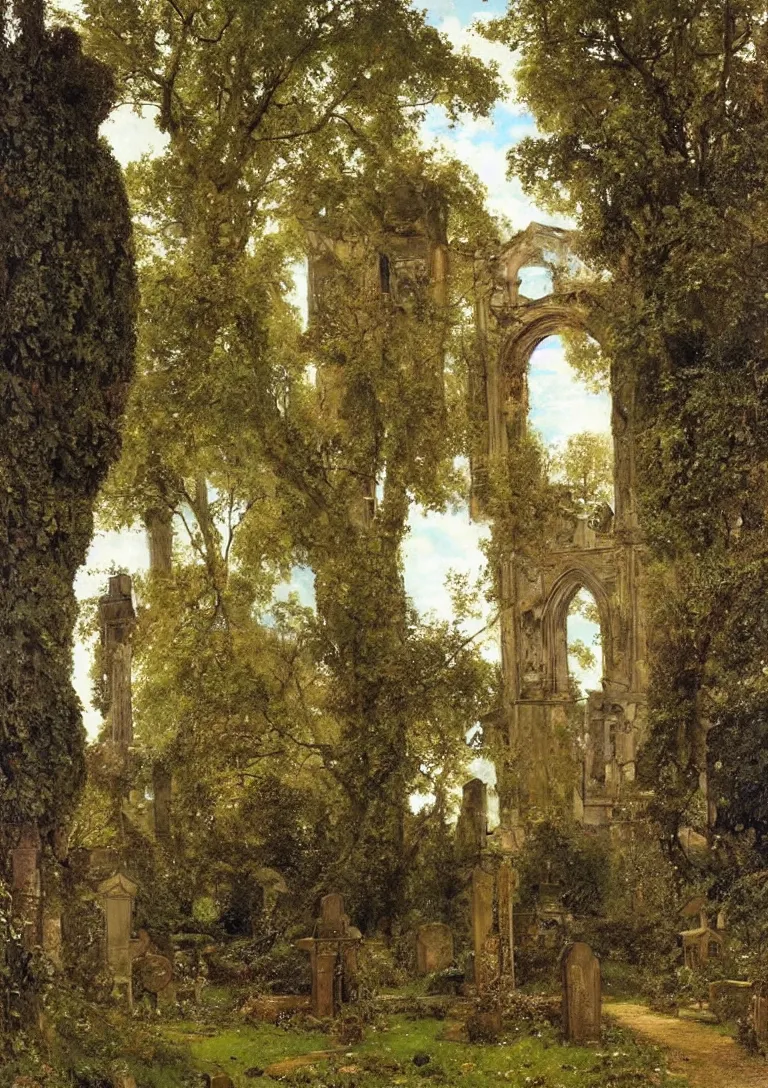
386	1058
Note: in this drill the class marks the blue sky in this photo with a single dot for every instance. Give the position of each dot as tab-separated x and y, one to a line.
437	543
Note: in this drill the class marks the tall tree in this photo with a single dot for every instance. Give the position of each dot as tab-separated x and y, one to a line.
67	308
272	112
585	466
654	134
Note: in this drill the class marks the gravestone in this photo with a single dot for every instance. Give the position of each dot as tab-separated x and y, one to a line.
484	944
218	1080
333	957
759	1011
434	948
581	994
118	893
153	971
52	938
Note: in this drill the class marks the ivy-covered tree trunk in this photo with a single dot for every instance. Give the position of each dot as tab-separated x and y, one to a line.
67	305
362	611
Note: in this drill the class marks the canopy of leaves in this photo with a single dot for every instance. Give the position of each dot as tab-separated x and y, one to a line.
654	134
291	134
585	465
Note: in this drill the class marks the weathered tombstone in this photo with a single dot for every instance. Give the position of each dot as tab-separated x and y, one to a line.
118	894
155	973
481	906
333	957
434	948
118	618
505	892
581	994
759	1012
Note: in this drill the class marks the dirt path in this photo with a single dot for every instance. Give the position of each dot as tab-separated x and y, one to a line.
708	1059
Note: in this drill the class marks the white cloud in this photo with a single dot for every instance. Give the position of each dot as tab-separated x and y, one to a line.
132	135
435	545
462	36
560	405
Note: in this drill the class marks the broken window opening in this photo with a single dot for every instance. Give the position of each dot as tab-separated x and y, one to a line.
585	644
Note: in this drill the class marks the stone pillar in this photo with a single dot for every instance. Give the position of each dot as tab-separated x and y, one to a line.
162	785
118	618
581	994
118	893
759	1012
505	892
324	996
482	926
52	940
26	886
472	826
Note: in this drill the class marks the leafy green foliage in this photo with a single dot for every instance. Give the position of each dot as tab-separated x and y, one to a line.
578	863
654	136
291	132
66	357
585	356
585	466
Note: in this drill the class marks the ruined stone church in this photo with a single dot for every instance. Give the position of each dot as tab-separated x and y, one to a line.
551	745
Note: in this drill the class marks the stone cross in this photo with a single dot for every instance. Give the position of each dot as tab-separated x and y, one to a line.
434	948
118	618
333	957
581	994
118	893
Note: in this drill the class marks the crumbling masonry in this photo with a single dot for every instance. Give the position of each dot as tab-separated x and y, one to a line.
551	748
598	550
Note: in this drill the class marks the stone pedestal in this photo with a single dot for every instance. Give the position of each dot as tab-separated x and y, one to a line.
482	926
